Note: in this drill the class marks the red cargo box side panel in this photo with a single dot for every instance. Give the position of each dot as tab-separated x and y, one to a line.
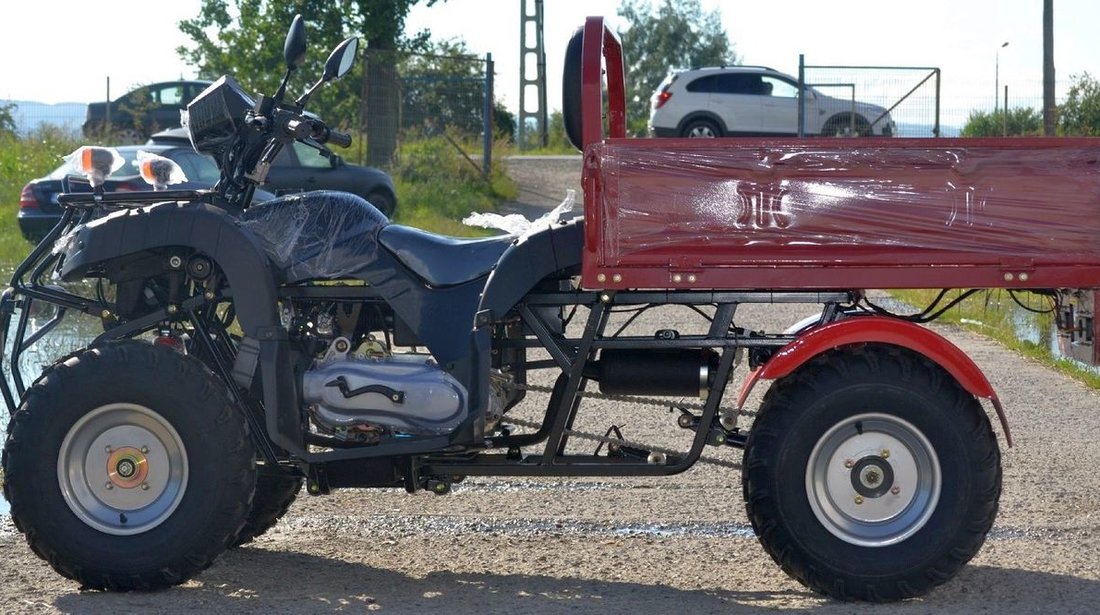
817	213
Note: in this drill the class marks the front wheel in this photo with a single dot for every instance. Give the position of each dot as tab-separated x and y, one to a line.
128	467
871	474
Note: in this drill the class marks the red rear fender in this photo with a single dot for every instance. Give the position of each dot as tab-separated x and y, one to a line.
879	330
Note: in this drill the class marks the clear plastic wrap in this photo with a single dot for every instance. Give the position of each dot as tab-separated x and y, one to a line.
95	162
317	235
158	171
821	213
517	224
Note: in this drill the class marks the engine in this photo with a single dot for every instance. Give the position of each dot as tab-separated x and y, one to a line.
359	398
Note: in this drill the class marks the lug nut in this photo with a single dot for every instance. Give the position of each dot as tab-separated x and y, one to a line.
885	453
145	450
848	463
895	490
109	485
144	486
859	499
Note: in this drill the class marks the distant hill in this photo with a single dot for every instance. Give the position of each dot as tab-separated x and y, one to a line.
29	115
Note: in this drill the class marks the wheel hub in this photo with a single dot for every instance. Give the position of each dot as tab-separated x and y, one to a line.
127	467
872	477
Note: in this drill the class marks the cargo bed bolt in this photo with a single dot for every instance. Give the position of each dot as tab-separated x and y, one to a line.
105	314
172	309
601	277
616	278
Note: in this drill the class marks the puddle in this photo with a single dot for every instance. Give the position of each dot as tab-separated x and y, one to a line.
454	526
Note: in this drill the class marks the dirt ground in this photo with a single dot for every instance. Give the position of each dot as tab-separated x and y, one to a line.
649	545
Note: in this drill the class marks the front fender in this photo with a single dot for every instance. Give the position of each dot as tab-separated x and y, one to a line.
880	330
204	228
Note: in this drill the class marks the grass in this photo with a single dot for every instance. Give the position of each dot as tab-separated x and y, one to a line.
437	186
993	313
21	160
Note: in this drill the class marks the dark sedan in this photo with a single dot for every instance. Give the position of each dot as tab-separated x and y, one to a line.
301	167
39	210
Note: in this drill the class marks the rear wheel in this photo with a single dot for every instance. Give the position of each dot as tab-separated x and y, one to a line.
276	490
846	126
701	129
127	467
871	474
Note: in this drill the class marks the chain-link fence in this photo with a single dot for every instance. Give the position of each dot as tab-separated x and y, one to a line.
871	96
924	103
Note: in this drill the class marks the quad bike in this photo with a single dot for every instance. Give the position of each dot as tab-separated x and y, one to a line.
246	350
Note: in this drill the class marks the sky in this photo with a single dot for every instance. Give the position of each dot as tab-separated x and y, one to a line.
50	59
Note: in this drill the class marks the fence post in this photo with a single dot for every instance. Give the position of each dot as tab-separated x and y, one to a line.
487	120
802	95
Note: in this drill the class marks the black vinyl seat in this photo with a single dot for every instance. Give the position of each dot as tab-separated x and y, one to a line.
440	260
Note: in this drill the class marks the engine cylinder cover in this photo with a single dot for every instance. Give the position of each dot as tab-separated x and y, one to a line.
404	394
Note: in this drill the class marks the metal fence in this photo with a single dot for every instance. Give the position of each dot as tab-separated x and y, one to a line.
922	101
909	95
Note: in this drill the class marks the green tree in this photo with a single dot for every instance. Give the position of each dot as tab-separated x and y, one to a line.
244	38
1021	121
678	34
1080	115
7	118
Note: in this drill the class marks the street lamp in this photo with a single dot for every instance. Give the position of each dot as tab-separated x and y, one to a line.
997	78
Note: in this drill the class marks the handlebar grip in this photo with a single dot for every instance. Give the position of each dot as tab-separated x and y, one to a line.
338	138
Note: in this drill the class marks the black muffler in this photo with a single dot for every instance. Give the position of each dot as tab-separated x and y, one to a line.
669	372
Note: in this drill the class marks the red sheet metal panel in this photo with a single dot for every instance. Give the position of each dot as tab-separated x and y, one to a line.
829	213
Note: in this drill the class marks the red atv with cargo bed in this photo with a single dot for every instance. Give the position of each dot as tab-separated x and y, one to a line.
313	340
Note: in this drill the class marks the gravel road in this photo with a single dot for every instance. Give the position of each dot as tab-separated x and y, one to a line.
650	545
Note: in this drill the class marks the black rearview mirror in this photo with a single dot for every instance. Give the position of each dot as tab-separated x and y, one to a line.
294	49
337	65
340	60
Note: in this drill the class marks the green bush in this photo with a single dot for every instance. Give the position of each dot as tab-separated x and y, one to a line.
438	185
1018	122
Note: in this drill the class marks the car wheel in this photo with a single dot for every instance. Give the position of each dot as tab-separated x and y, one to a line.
846	126
384	201
700	129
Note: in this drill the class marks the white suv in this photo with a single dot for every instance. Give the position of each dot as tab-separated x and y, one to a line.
755	101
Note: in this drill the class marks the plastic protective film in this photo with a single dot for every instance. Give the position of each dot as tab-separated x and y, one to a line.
815	205
317	235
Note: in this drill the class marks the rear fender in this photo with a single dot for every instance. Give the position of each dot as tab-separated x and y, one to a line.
879	330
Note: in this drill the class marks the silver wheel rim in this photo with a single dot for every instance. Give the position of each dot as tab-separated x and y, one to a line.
873	480
122	469
701	132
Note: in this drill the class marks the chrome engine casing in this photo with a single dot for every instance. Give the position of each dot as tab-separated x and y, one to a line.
399	393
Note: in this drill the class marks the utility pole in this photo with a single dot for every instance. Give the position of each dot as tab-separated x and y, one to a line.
532	53
1048	68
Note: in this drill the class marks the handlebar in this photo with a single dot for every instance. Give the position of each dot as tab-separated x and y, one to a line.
312	128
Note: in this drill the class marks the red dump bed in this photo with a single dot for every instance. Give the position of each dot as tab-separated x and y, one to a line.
834	213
